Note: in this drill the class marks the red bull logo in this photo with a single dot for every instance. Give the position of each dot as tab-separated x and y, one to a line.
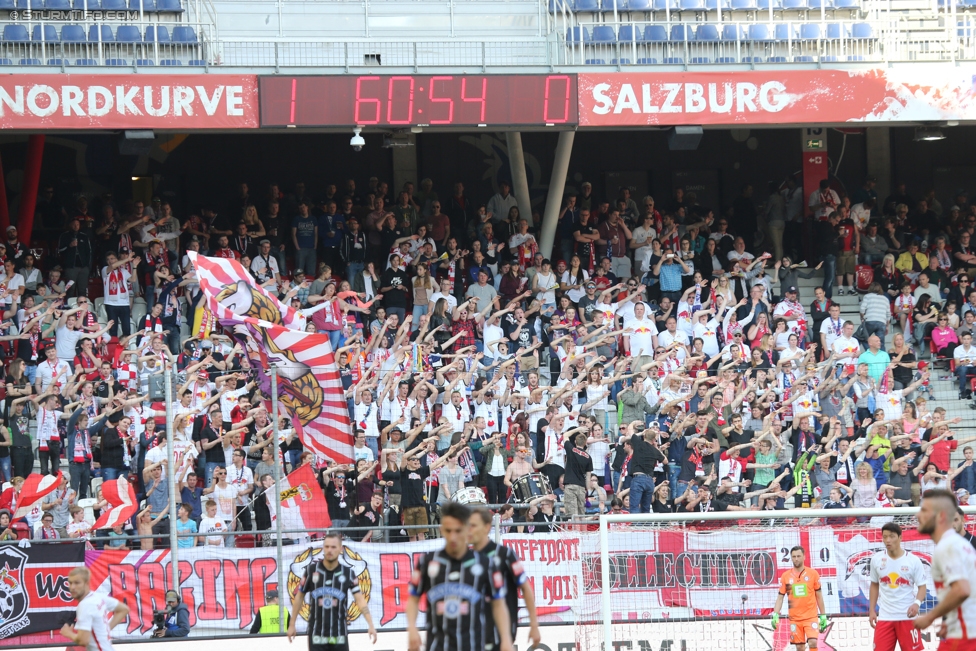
894	580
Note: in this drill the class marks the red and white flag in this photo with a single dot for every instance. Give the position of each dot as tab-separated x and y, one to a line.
303	504
273	335
36	488
121	497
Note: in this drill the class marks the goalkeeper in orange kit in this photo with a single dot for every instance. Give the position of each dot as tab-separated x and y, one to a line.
808	616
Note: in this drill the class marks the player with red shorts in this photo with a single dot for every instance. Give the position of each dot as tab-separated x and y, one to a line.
953	571
808	616
898	585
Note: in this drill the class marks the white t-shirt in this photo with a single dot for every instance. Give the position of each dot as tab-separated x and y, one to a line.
47	424
955	560
366	418
491	333
228	401
225	499
847	350
116	286
546	285
642	337
575	294
451	301
964	356
240	479
93	616
898	580
708	333
891	403
259	264
13	283
213	525
831	330
65	342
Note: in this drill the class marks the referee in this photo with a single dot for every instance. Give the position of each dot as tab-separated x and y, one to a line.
460	585
510	566
330	585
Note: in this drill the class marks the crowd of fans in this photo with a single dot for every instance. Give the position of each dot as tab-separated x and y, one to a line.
664	361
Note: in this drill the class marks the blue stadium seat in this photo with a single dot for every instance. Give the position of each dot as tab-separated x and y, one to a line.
855	57
782	32
829	59
628	33
8	4
157	33
148	6
700	60
809	31
56	62
803	59
795	4
184	34
776	60
834	30
105	34
128	34
595	62
582	6
713	5
847	4
643	61
664	5
169	5
196	62
86	62
144	62
72	34
6	62
682	33
673	61
862	30
50	34
114	5
600	34
655	33
91	5
726	60
638	5
815	5
15	34
29	62
752	60
58	5
707	33
744	5
692	5
759	32
170	62
620	62
730	33
116	62
764	5
573	35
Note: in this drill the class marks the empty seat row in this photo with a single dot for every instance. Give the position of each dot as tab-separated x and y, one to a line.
720	60
108	62
153	6
754	32
98	33
604	6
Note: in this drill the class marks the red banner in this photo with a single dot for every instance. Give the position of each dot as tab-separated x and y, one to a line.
775	97
129	102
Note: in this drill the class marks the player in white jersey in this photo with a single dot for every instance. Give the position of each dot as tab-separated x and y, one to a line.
96	615
898	582
953	571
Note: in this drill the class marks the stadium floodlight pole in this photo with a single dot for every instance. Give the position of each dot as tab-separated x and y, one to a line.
174	561
283	595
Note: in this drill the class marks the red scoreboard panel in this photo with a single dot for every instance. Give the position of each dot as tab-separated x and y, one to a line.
419	100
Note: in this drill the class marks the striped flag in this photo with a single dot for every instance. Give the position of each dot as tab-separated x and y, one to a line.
273	335
303	504
36	487
121	497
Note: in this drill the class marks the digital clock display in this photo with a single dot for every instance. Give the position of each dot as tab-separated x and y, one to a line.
419	100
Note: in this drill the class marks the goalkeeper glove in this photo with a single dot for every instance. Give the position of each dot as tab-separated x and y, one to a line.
775	620
823	622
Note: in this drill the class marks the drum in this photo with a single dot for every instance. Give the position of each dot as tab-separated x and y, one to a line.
527	488
469	495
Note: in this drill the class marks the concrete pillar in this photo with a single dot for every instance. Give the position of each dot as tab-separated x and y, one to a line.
405	168
557	187
520	181
879	159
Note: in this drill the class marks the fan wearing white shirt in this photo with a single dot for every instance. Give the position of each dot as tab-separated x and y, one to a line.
707	330
641	334
672	335
445	293
846	347
965	356
49	370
